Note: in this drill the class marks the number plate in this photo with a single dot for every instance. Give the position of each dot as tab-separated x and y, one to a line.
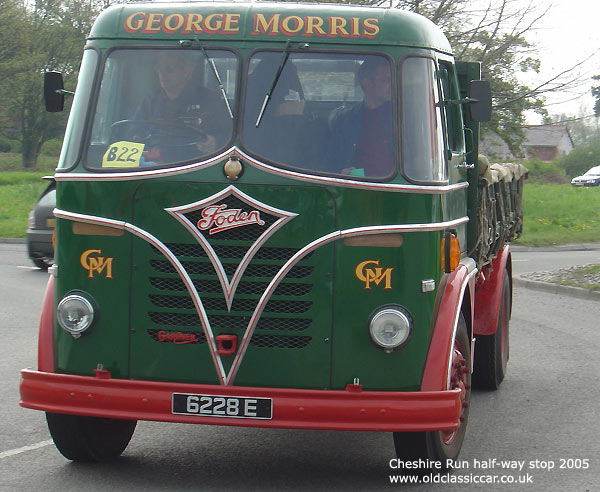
222	406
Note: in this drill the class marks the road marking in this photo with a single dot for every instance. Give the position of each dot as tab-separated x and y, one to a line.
27	267
31	447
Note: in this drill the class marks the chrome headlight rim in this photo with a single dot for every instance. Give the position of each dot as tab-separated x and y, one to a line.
403	315
88	305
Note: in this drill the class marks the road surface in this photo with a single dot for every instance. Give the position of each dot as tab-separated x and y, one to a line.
544	415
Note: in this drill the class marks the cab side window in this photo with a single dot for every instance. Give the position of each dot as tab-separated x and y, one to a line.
452	111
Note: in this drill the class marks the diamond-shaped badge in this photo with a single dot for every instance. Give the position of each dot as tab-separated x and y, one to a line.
230	214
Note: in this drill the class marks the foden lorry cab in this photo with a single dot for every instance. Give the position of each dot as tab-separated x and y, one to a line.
270	215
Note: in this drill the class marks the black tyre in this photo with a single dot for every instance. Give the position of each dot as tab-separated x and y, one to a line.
441	446
492	351
42	263
84	439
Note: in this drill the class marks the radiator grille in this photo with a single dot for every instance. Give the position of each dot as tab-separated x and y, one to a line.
227	251
288	310
198	337
229	322
214	286
198	268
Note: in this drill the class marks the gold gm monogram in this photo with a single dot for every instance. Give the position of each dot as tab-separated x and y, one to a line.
98	264
373	275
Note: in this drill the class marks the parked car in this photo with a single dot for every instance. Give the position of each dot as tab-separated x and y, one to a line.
590	178
41	227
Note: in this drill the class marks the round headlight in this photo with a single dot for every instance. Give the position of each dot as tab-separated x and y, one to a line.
75	314
390	327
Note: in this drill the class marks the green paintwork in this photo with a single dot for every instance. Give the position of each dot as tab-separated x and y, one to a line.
339	347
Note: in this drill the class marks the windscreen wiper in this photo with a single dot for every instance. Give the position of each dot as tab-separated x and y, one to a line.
211	62
214	71
284	57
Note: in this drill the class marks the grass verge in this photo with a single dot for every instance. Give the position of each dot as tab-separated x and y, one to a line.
17	200
12	162
554	213
19	190
560	214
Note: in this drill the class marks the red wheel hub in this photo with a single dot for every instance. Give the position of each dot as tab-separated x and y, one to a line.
458	380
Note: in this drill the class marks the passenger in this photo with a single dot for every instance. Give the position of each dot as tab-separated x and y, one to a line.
361	140
288	131
187	119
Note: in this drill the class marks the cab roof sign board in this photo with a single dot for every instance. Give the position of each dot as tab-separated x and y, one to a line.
269	22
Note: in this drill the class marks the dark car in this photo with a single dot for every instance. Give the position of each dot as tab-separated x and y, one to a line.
590	178
41	228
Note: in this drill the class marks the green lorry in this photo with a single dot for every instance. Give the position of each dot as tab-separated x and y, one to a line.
273	215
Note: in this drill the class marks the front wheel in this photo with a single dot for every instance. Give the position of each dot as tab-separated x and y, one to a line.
80	438
443	446
43	263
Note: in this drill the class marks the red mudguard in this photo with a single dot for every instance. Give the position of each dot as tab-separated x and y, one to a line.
46	333
435	375
489	294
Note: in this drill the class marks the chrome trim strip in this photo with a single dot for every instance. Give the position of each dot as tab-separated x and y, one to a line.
295	175
150	173
358	231
347	183
229	287
471	266
229	378
146	236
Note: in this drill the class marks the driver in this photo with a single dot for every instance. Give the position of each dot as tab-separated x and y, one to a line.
191	118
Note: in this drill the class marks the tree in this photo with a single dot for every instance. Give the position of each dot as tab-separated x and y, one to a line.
495	33
584	129
51	35
596	94
12	39
579	160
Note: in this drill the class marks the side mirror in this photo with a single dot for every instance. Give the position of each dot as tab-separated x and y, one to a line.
480	100
53	92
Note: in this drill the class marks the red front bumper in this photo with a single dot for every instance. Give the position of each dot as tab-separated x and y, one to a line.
292	408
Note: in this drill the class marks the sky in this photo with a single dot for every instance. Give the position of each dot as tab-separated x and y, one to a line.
569	33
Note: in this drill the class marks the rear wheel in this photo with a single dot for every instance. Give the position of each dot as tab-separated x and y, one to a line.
81	438
441	446
492	351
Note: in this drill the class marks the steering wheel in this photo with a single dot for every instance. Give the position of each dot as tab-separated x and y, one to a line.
176	132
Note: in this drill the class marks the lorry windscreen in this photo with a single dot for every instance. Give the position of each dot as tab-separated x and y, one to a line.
157	107
323	113
329	113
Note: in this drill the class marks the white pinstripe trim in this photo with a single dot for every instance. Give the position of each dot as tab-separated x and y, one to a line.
472	267
347	183
295	175
230	377
229	287
150	173
334	236
90	219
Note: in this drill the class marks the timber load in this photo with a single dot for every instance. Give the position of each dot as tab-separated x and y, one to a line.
500	210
